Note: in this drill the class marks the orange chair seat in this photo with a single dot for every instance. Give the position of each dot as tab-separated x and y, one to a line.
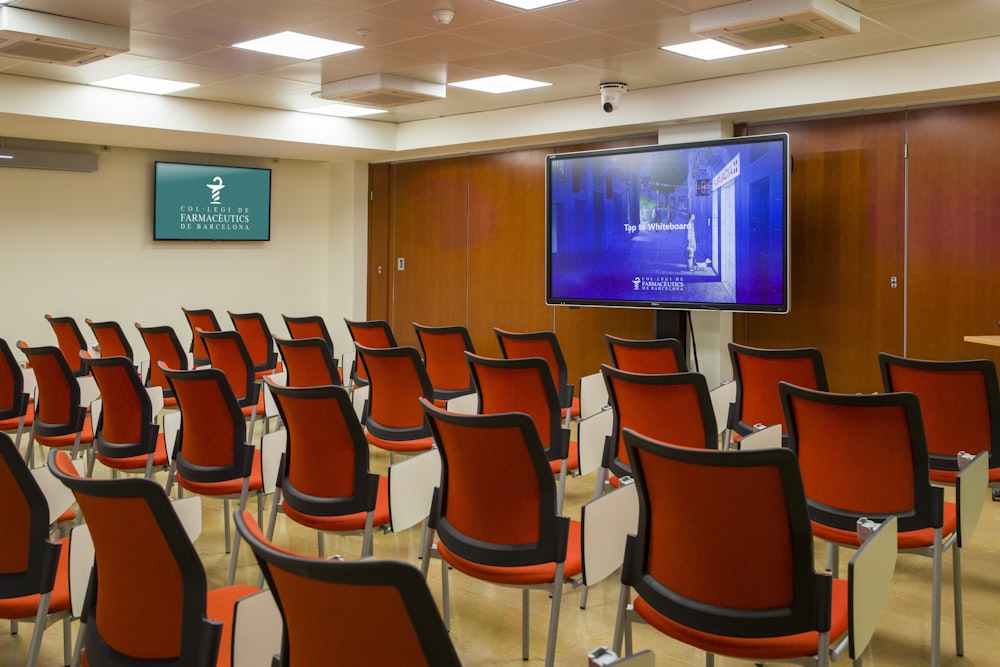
170	401
27	606
221	606
138	462
911	539
249	409
526	575
11	424
418	445
229	487
63	441
346	522
949	476
572	460
769	648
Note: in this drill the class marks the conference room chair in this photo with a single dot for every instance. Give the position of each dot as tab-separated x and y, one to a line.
308	326
960	407
34	570
61	407
111	340
370	334
495	515
204	319
228	352
126	437
658	355
213	456
865	455
525	385
443	350
671	407
542	344
70	340
757	372
723	560
366	612
258	340
147	602
392	416
324	481
162	344
17	405
308	362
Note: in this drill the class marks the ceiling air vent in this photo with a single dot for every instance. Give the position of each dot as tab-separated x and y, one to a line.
47	38
382	90
759	23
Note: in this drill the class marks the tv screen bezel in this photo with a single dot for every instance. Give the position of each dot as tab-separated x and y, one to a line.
159	225
669	304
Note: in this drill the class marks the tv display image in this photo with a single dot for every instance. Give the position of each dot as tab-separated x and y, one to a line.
197	202
676	226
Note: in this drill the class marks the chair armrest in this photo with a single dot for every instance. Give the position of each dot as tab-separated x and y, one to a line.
411	487
606	522
591	435
970	494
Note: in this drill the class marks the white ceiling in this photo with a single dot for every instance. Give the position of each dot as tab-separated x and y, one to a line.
574	46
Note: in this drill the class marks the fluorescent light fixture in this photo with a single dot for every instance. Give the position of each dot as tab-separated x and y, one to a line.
297	45
502	83
531	4
144	84
6	157
710	49
343	110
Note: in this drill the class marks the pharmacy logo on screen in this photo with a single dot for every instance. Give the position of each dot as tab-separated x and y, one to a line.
216	186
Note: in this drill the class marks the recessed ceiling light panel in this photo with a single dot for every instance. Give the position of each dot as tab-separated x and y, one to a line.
532	4
502	83
144	84
710	49
343	110
297	45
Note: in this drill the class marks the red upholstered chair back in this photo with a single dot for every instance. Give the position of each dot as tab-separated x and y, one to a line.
371	334
758	371
656	356
675	408
212	443
959	404
146	568
521	385
308	326
70	341
227	352
444	351
398	380
13	400
257	338
126	426
204	319
163	345
111	339
57	409
327	453
861	455
308	362
496	501
543	344
369	612
742	564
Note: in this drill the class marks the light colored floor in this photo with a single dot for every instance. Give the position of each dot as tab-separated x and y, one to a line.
486	619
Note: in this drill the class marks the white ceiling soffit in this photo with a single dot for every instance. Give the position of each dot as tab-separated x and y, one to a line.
47	38
382	90
759	23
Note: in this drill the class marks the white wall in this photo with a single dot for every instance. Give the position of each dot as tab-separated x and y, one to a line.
80	244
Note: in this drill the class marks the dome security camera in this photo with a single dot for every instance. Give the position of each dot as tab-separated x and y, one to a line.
611	95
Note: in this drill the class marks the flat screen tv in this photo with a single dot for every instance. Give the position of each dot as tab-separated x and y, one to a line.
676	226
197	202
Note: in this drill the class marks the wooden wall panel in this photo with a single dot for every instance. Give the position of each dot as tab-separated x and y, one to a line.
954	236
847	241
506	242
429	232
